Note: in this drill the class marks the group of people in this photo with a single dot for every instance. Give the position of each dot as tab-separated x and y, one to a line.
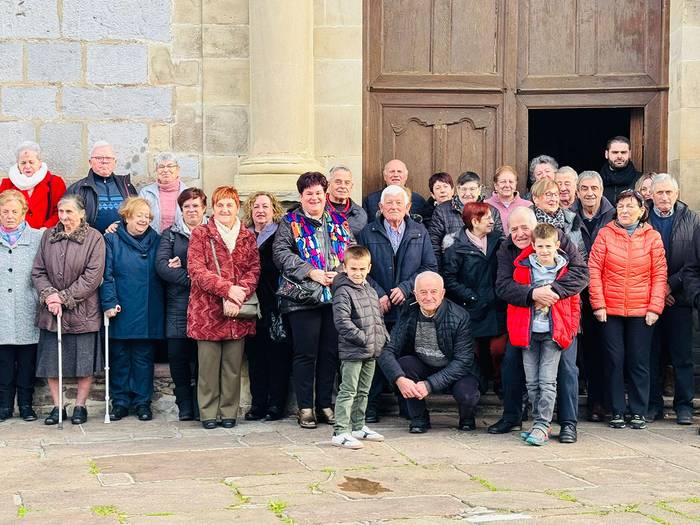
452	294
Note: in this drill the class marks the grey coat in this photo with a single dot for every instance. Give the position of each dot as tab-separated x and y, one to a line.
358	318
18	298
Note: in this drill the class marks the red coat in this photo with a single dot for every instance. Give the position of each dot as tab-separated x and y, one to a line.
564	315
42	213
205	312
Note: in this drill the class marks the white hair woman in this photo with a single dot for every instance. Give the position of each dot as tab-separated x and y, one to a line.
162	195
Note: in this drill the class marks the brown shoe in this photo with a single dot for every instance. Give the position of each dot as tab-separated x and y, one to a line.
326	415
306	419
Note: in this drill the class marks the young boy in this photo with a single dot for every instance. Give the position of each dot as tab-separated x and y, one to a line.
543	331
361	337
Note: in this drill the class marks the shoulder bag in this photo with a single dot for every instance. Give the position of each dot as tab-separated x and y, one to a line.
250	309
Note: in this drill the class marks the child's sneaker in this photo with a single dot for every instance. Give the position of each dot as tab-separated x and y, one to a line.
345	440
525	435
537	437
367	434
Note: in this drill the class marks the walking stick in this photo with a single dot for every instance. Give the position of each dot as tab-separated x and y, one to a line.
60	370
106	321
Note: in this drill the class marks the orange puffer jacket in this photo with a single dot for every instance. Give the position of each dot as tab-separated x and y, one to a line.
628	273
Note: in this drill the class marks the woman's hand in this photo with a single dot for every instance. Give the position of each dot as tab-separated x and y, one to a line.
236	294
112	227
53	299
231	309
175	262
651	318
321	277
54	308
601	315
112	312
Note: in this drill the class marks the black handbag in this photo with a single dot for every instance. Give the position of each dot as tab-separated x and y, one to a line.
305	293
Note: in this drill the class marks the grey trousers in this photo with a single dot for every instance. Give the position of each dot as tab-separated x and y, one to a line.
541	362
219	382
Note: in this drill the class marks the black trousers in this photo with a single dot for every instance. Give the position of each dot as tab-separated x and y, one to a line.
379	385
465	391
673	333
592	351
269	368
627	345
182	356
17	366
315	346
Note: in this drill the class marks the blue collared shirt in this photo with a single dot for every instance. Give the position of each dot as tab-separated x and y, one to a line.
395	236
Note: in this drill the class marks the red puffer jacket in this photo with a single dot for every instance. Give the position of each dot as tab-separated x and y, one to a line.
628	273
205	312
564	315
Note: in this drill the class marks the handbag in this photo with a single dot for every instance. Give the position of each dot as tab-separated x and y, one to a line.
305	293
250	309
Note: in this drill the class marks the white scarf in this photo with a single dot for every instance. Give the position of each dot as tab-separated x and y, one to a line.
24	183
229	235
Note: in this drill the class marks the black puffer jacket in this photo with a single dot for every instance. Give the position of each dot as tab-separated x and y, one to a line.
174	243
691	272
470	281
454	340
605	215
358	318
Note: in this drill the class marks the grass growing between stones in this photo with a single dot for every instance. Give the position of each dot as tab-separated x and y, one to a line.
562	495
159	514
278	508
486	484
93	468
108	510
241	499
665	505
22	511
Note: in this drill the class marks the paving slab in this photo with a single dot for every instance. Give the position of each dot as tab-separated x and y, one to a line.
528	477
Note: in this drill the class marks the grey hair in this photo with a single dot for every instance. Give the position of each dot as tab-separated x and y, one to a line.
165	156
74	200
99	144
664	177
567	170
528	213
393	189
543	159
425	275
590	174
338	167
28	145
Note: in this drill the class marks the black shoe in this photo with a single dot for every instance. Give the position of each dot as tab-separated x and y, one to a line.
118	412
417	429
467	424
568	434
228	423
617	421
27	413
371	417
52	418
185	410
143	412
503	427
274	414
209	424
638	422
684	418
79	415
255	414
6	413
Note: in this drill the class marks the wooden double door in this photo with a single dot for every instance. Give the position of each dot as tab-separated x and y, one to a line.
450	84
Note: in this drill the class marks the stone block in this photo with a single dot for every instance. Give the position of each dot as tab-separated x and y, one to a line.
319	12
226	130
130	143
28	19
338	82
338	130
225	41
187	41
690	43
187	130
123	20
62	148
118	102
10	61
688	83
159	137
225	12
218	171
689	133
165	71
338	42
29	102
343	13
54	62
117	64
11	134
226	81
189	169
187	12
187	95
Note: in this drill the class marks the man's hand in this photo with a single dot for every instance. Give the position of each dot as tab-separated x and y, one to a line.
397	297
408	388
601	315
544	295
422	387
385	303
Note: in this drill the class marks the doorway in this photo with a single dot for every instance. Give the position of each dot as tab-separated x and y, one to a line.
577	137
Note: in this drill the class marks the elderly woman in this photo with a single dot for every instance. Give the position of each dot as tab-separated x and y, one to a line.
269	362
162	195
469	269
309	248
505	196
132	296
643	184
224	267
40	187
442	189
18	305
171	265
628	289
67	273
545	196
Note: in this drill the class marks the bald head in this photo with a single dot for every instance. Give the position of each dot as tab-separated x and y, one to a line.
395	172
429	289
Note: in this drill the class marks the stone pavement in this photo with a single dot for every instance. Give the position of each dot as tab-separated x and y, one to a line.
167	472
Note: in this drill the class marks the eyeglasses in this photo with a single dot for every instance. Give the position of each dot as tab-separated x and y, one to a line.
103	159
551	195
166	167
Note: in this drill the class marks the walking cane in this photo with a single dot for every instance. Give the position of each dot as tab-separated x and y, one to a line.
106	321
60	370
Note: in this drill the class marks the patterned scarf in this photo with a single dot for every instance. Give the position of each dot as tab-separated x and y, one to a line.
556	220
12	236
304	231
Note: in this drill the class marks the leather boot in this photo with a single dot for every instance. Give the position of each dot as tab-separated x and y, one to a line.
306	418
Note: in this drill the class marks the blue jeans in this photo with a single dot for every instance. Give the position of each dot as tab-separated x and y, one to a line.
541	363
130	372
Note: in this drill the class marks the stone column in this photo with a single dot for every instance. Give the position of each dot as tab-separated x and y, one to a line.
281	97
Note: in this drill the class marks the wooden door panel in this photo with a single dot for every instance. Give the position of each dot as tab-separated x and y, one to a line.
406	30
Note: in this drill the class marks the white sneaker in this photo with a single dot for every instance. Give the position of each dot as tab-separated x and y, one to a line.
345	440
367	434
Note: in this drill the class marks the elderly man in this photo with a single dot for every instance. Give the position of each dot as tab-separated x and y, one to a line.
566	178
395	173
102	191
400	249
447	217
618	173
431	351
673	332
162	195
340	185
521	223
